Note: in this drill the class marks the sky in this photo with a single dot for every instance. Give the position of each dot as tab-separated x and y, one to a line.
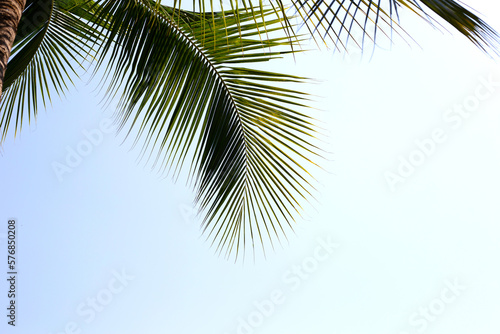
403	237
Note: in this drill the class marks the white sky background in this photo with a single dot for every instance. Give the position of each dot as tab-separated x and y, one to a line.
398	251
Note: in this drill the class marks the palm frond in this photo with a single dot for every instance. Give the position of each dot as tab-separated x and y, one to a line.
466	22
189	95
49	43
338	21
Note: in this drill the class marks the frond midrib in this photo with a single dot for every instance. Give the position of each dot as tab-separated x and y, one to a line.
214	69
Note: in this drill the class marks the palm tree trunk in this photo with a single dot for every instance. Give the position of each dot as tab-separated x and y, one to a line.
10	15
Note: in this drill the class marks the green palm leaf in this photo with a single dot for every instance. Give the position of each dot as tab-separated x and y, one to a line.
187	95
49	44
466	22
337	20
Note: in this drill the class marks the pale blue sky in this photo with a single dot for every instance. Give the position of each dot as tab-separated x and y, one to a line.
366	260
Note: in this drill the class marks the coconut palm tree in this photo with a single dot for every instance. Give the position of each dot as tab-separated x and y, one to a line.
189	90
